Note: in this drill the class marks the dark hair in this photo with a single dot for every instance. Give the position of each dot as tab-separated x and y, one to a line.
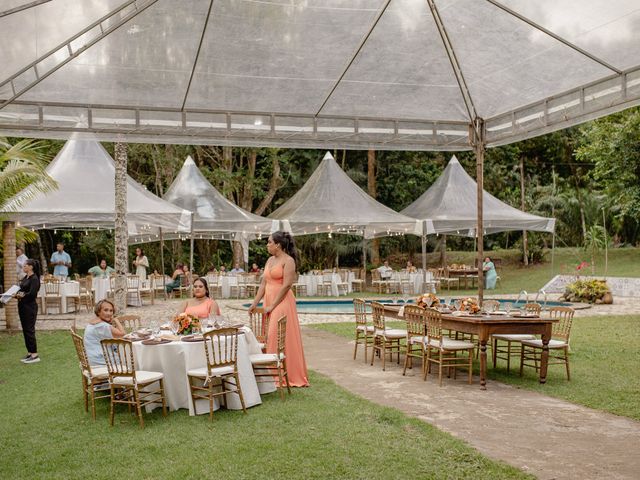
98	306
285	240
141	251
205	283
36	266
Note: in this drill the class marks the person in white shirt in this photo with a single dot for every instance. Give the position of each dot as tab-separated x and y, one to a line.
21	258
237	269
385	271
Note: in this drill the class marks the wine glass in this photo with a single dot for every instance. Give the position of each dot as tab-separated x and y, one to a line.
508	306
173	326
428	301
155	328
457	303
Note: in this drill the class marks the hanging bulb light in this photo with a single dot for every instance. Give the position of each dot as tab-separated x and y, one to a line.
330	235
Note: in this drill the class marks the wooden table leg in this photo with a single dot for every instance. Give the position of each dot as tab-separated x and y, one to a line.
483	361
544	360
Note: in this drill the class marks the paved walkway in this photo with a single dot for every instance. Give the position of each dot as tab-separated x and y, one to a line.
544	436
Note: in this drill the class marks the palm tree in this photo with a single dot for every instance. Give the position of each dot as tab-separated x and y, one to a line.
22	176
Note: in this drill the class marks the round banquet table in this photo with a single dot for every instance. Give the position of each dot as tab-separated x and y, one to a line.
176	358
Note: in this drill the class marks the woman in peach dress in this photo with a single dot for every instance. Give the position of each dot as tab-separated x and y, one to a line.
201	305
275	290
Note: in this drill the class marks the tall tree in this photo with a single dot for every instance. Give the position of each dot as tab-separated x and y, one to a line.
22	176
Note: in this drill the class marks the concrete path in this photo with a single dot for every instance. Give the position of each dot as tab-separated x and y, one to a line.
546	437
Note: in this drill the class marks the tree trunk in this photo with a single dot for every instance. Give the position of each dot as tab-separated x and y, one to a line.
10	275
371	187
121	263
238	256
274	185
525	242
43	258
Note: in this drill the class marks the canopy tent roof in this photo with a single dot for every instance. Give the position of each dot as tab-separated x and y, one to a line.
85	197
214	215
385	74
331	202
450	205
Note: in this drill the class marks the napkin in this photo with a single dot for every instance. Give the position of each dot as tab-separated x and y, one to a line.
168	336
401	311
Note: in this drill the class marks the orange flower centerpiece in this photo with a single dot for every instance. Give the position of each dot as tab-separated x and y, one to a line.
428	300
470	305
186	324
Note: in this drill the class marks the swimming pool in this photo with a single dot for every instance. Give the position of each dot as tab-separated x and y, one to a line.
344	307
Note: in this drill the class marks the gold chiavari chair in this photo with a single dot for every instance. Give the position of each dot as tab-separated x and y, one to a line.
513	346
130	323
259	324
92	377
558	345
268	365
385	340
221	352
131	387
416	336
364	331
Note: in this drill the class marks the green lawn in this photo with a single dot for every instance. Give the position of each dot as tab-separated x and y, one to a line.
320	432
604	365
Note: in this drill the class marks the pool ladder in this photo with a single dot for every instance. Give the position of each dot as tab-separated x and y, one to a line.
544	295
526	297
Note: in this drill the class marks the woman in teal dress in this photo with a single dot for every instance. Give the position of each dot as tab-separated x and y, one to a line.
490	275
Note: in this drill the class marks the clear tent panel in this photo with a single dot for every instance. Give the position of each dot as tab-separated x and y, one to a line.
602	27
271	56
494	48
146	62
416	77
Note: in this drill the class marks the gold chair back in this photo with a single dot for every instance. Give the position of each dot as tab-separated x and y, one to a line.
52	288
282	333
434	324
118	355
360	308
562	328
130	322
377	314
259	324
532	307
416	322
78	342
221	348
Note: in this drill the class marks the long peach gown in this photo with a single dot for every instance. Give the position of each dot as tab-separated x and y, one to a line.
296	364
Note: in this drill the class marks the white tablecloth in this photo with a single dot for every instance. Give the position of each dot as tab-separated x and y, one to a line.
312	281
66	289
176	358
225	281
101	287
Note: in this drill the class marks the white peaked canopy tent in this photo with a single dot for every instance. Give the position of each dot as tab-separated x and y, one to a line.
85	197
449	207
214	216
330	202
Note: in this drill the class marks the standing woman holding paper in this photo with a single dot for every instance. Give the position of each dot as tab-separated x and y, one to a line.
28	308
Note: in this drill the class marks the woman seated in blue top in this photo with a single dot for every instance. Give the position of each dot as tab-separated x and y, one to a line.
490	275
101	327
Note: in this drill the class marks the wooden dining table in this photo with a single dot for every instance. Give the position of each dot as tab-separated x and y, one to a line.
486	325
464	274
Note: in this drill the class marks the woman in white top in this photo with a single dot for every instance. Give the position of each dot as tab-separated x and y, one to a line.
141	263
101	327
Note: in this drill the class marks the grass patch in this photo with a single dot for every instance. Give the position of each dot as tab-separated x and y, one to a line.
604	363
320	432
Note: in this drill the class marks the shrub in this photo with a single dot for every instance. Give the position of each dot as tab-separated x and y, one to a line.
586	291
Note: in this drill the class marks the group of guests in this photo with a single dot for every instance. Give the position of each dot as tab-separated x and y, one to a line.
275	294
237	268
488	267
140	265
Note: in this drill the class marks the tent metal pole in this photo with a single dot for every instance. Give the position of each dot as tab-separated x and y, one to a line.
191	246
364	260
606	247
424	257
161	252
479	142
553	251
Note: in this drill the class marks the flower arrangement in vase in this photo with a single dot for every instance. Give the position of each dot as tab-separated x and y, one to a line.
428	300
186	323
469	305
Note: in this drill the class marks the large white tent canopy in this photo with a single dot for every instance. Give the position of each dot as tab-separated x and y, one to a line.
449	207
85	197
330	202
214	215
384	74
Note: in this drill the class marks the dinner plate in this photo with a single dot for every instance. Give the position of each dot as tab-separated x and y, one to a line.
156	341
192	338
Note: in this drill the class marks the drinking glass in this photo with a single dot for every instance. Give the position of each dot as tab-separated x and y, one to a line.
508	306
457	303
428	301
204	325
155	328
173	326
